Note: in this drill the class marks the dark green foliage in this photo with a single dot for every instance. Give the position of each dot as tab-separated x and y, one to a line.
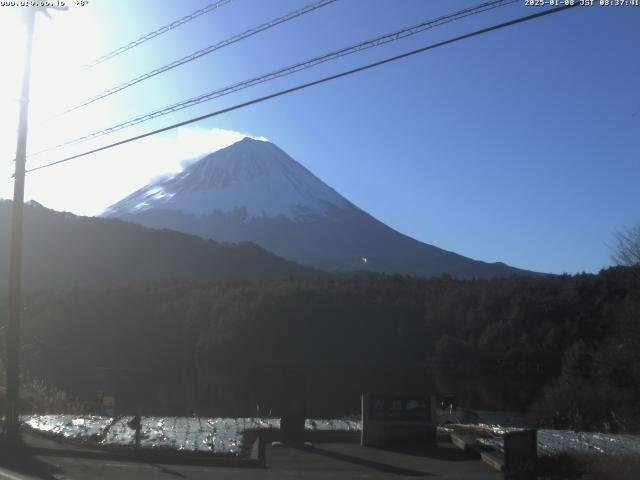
599	386
187	347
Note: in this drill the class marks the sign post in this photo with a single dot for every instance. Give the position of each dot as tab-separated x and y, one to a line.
293	406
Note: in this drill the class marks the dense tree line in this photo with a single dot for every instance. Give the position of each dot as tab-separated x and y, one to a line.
164	346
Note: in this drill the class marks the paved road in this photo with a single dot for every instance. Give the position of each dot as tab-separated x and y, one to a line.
323	461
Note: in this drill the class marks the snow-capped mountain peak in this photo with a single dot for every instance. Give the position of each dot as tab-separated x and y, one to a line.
253	175
253	191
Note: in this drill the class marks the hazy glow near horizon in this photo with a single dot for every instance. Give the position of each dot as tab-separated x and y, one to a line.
56	83
130	168
504	147
60	45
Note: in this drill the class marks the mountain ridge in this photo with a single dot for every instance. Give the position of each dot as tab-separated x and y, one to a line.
253	191
63	250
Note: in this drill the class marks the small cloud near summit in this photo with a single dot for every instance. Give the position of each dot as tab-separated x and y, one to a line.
118	172
198	142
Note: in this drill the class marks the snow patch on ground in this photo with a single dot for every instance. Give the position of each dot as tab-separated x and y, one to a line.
318	425
216	435
77	427
553	442
222	436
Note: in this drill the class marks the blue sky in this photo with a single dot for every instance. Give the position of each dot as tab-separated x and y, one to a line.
521	145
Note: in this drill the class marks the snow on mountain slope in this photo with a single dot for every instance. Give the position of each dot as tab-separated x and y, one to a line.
250	174
253	191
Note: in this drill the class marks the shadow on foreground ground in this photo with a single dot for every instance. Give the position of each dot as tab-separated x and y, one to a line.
382	467
436	452
20	461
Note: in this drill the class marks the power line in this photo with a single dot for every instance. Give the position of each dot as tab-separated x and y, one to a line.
286	71
311	84
155	33
203	52
380	40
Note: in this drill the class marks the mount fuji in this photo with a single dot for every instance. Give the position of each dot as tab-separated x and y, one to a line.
253	191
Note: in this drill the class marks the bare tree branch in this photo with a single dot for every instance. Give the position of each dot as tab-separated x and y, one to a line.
626	247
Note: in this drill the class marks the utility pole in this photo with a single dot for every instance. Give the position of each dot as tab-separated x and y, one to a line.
15	255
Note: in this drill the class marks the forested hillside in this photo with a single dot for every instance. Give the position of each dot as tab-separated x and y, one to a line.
172	346
62	250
